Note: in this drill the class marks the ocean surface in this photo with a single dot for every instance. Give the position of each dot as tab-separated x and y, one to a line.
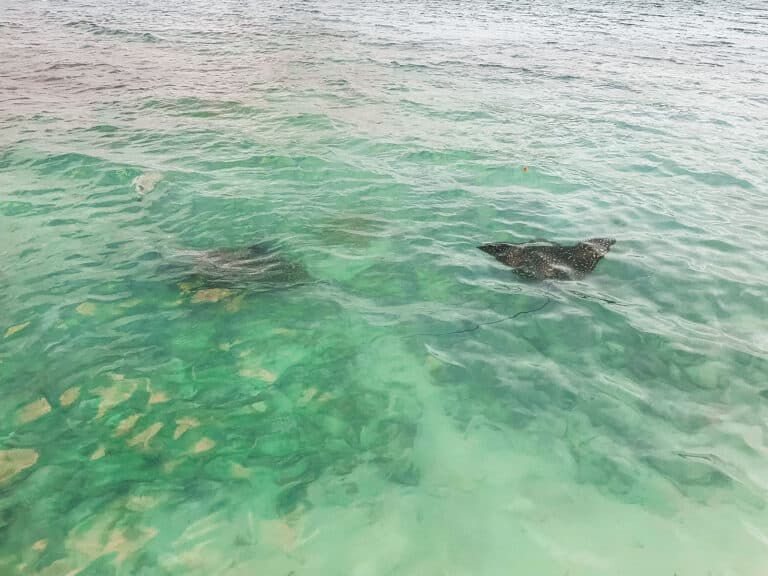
393	401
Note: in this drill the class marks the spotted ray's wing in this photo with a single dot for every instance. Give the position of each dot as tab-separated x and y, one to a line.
583	257
542	260
552	263
602	245
533	264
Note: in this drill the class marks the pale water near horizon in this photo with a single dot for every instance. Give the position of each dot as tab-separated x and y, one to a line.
382	416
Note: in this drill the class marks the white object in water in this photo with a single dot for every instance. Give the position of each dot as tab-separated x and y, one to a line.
145	183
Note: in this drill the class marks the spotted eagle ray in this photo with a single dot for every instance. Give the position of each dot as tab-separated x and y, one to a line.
257	267
543	260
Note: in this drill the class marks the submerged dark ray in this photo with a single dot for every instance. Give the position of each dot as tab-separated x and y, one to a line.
257	267
542	260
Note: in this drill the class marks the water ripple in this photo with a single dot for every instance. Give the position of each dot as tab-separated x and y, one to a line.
412	392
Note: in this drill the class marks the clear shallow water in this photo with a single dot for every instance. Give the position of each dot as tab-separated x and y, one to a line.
152	427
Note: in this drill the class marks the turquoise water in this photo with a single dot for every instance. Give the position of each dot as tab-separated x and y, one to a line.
374	419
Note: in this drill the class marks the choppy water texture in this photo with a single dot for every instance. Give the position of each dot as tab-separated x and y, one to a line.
371	418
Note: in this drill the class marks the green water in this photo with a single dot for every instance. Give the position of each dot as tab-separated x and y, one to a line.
413	408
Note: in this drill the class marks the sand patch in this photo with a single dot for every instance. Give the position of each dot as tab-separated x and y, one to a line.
34	410
184	424
69	396
99	453
100	538
234	304
210	295
250	367
14	461
259	407
121	390
308	395
158	398
259	374
126	424
86	309
14	329
239	471
203	445
285	332
278	534
143	438
142	503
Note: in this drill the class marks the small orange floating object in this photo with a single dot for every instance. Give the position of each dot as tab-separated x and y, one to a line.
525	168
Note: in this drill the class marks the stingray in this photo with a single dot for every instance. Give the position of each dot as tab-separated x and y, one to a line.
356	230
543	260
257	267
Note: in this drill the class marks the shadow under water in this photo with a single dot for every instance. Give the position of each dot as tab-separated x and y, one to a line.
255	268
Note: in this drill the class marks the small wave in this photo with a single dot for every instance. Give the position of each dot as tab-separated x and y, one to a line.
455	115
408	65
101	30
202	108
715	179
442	156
